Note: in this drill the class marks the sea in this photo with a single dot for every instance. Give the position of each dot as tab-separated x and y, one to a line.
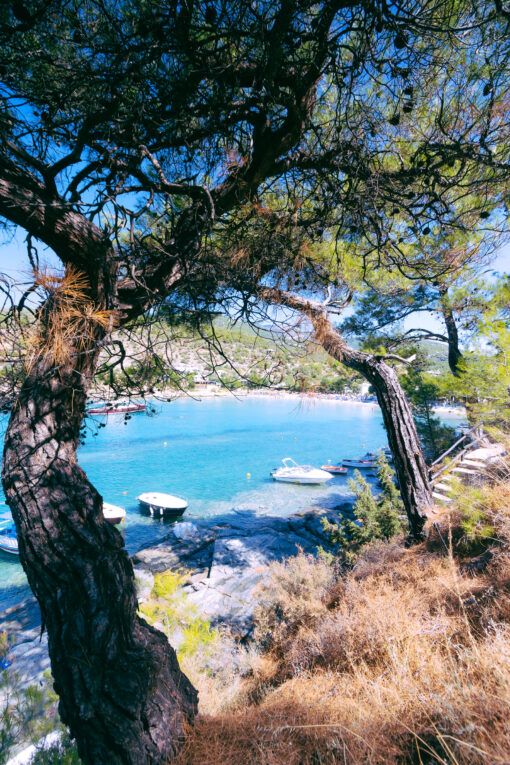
218	454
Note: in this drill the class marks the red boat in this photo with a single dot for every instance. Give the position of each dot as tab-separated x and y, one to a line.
335	469
119	408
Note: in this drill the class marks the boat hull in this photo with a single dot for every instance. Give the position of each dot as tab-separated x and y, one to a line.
8	539
159	511
160	504
303	480
9	550
113	513
127	409
359	465
291	472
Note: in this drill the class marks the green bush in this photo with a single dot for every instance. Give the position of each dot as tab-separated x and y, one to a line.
169	610
29	714
377	517
471	504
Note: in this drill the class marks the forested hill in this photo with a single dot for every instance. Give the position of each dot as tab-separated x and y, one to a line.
238	355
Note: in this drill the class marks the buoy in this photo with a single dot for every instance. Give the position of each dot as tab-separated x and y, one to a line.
124	492
248	475
164	443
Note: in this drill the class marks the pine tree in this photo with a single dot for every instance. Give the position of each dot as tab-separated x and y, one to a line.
374	517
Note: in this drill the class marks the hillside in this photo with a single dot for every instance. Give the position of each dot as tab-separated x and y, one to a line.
235	355
225	354
402	658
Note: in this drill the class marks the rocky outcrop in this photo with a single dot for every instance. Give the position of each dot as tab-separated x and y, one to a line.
223	560
28	652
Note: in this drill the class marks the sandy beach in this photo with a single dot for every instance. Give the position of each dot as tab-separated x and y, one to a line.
284	395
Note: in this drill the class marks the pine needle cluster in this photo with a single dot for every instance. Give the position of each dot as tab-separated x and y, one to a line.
68	319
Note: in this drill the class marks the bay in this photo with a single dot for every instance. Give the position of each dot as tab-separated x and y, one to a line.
217	453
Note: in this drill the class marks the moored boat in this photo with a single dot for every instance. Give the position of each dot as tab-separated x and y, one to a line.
8	539
291	472
158	503
113	513
117	408
360	464
335	469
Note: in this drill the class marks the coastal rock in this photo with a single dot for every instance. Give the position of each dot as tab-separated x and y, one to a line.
225	560
192	554
30	659
28	651
144	580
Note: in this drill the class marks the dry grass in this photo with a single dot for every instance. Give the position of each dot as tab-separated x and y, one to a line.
405	659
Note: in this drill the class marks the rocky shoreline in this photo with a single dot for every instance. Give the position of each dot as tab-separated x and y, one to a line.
224	560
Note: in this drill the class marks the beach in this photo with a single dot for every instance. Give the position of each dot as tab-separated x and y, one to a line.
213	391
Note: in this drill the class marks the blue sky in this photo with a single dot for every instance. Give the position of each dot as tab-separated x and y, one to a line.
14	264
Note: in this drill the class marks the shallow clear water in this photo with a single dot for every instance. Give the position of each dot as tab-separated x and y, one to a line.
203	450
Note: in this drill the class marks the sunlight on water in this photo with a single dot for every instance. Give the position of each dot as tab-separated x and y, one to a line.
211	446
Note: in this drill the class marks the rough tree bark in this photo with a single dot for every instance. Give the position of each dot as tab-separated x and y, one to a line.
454	352
409	462
403	439
121	690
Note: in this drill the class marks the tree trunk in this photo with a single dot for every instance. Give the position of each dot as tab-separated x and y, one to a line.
454	352
409	462
410	467
121	690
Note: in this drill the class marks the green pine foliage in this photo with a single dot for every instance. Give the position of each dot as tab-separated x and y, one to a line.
423	392
484	384
375	517
27	714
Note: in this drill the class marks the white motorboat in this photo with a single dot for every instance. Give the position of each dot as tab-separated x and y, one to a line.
158	503
113	513
8	539
291	472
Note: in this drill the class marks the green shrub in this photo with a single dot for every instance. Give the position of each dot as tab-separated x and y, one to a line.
169	610
64	752
471	504
26	714
374	517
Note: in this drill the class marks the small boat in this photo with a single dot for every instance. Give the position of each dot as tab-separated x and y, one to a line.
335	469
8	540
113	513
117	408
387	453
291	472
360	464
161	504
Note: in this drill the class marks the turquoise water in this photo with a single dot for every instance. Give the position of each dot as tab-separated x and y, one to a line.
203	450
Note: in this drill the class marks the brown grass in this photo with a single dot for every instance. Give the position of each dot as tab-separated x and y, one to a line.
405	659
